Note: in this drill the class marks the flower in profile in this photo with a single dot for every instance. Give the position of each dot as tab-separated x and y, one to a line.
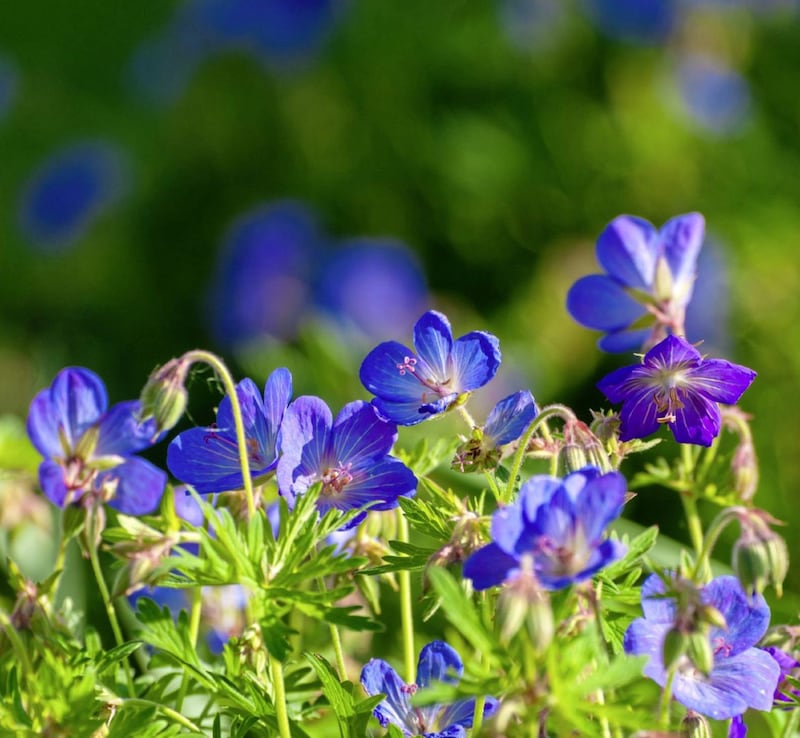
676	386
89	449
69	191
740	676
208	458
349	455
413	386
555	529
649	281
263	282
375	286
438	662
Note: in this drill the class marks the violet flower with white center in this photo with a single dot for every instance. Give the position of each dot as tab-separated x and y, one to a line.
649	281
412	386
349	455
675	386
742	675
438	662
556	529
208	458
89	449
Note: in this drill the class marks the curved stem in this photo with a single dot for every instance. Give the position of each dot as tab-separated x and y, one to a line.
406	609
176	717
241	439
279	697
712	535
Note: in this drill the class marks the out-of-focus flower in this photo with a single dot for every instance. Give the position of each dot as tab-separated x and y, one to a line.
8	86
714	96
741	676
375	286
263	285
68	192
438	662
348	455
788	664
649	281
208	458
708	313
676	386
532	25
89	449
411	387
224	613
635	21
556	528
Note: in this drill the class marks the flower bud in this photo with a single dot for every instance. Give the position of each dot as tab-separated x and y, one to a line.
571	458
164	396
744	466
524	601
674	646
700	651
695	725
760	556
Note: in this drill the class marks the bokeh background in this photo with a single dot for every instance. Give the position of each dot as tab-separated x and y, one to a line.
288	182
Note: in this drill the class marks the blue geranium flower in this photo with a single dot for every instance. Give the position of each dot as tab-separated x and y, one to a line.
411	387
742	676
649	281
208	458
67	193
638	21
555	528
375	286
676	386
438	662
89	449
349	455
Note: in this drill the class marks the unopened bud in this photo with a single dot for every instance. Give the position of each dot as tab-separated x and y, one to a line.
674	647
524	601
760	556
700	651
571	458
164	396
695	725
744	466
709	615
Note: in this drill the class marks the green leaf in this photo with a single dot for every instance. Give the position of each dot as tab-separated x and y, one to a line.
115	655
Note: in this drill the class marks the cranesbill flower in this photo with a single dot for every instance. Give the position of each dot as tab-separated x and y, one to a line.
649	281
555	529
349	455
742	676
89	449
438	662
676	386
411	387
208	458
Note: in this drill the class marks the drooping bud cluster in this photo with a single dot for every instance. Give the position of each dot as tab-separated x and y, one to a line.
164	396
760	556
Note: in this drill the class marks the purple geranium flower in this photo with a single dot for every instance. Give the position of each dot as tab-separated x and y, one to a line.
411	387
742	676
68	191
89	449
438	662
556	528
649	281
349	455
675	385
208	458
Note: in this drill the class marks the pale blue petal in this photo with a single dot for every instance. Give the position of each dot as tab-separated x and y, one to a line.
627	250
597	301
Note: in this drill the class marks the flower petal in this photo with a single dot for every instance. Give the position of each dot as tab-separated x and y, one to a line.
509	418
639	416
410	412
206	458
657	609
672	352
682	237
121	433
475	360
359	433
439	662
378	677
747	617
433	341
139	486
51	480
698	421
463	711
490	566
624	341
251	403
277	395
538	490
600	502
599	302
627	250
380	373
720	380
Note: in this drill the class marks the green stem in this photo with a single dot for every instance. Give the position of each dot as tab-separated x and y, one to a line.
695	527
241	439
109	605
666	698
16	643
493	486
462	410
522	446
194	630
406	609
712	535
336	640
176	717
279	697
477	715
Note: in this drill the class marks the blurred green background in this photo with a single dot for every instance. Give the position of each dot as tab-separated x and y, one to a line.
494	139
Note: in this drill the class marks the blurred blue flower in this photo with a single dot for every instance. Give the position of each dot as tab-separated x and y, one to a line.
742	676
636	21
411	387
555	530
708	314
89	449
67	193
224	613
649	281
375	286
9	82
263	284
208	458
438	662
675	385
531	25
714	96
349	455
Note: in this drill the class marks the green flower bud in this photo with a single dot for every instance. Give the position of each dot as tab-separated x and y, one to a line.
700	651
674	647
164	396
760	556
524	601
695	725
571	458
